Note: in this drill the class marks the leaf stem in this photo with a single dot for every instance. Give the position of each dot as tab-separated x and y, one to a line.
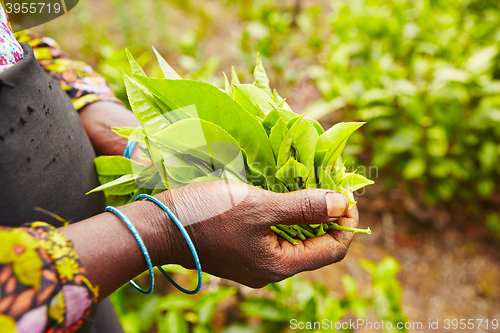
305	231
335	226
284	235
299	232
287	229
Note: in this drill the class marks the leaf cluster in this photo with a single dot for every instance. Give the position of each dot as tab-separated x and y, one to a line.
193	132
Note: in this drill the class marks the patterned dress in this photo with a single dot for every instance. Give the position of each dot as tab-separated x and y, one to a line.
10	50
43	286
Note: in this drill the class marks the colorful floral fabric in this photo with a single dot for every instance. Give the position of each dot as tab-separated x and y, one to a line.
43	286
10	50
82	84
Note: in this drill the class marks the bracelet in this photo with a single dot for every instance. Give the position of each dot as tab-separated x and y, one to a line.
188	240
127	153
139	240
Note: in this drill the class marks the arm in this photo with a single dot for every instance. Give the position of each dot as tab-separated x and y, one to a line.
233	242
48	282
98	118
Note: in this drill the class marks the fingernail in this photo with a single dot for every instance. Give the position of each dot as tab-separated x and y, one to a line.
336	204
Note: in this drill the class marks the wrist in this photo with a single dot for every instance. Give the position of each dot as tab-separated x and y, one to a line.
174	249
154	226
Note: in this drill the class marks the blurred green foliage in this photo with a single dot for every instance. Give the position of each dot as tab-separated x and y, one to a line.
294	298
424	74
426	77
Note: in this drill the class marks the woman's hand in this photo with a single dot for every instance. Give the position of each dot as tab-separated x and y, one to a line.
229	225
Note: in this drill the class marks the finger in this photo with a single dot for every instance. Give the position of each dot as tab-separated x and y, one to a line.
306	207
313	253
345	237
352	213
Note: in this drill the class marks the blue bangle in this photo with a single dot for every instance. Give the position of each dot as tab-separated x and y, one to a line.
127	153
188	240
139	240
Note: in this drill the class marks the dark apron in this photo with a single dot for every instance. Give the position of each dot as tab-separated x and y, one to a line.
46	160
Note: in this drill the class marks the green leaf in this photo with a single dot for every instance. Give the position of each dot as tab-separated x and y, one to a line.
291	171
134	66
485	188
143	106
451	74
481	61
338	171
357	181
234	76
167	70
304	141
261	79
272	118
217	107
200	328
174	322
241	328
266	309
227	86
117	165
488	156
175	302
317	126
285	148
276	136
326	181
280	101
349	195
131	133
350	286
207	304
331	143
253	100
414	168
124	185
204	141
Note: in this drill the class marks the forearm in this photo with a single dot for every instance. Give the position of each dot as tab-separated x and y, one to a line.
110	253
98	118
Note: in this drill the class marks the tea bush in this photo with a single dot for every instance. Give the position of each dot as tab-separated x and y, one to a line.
425	75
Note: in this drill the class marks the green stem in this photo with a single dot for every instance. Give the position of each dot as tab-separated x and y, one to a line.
308	228
335	226
284	235
287	229
299	232
306	232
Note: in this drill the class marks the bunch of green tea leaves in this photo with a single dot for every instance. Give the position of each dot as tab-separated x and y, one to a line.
192	131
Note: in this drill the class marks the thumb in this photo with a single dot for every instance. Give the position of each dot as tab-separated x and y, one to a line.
308	206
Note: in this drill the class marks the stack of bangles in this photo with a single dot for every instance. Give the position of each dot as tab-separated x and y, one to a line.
128	151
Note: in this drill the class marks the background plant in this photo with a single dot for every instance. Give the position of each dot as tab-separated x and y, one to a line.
426	76
336	60
271	311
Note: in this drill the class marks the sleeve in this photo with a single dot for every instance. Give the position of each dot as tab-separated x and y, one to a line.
43	286
82	84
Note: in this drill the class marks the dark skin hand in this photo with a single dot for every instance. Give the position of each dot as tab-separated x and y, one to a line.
227	221
232	241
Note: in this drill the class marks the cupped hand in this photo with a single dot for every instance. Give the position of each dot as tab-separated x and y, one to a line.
229	223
